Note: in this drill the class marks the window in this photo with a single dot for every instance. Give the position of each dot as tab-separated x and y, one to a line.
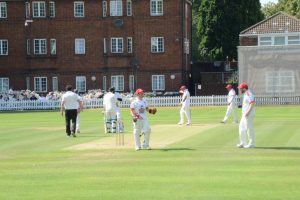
131	83
3	10
28	83
4	84
54	84
28	47
53	46
157	44
129	44
38	9
27	10
158	82
292	40
280	82
279	40
80	46
52	9
40	46
156	7
104	83
78	9
129	7
116	8
3	47
265	41
117	82
40	84
104	8
104	46
81	83
117	45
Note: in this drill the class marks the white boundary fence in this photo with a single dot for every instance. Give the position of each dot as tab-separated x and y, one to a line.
153	101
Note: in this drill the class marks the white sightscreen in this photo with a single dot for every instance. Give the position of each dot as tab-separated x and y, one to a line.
270	71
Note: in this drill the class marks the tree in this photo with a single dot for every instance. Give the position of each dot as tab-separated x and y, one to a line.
291	7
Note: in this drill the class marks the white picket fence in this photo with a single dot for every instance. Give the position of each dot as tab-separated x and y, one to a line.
153	101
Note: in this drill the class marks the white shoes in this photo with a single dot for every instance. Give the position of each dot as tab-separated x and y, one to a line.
138	148
248	146
180	123
240	145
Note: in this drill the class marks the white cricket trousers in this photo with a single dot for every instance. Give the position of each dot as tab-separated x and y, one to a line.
111	121
78	122
230	109
185	111
138	127
246	129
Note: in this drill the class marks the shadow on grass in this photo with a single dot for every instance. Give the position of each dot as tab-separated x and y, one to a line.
174	149
280	148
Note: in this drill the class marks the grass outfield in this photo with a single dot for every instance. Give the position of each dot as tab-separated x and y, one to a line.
38	161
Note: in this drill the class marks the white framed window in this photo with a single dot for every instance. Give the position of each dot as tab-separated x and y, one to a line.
294	40
157	7
131	83
53	46
158	82
81	83
40	46
52	9
104	85
80	46
3	47
104	45
3	10
129	44
280	82
117	82
104	8
157	45
27	10
28	49
265	41
129	7
40	84
4	84
28	83
116	8
78	9
279	40
39	9
116	45
54	83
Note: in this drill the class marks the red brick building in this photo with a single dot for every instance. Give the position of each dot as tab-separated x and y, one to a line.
45	45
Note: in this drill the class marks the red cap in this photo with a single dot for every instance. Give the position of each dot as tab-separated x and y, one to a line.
183	87
229	86
243	86
139	91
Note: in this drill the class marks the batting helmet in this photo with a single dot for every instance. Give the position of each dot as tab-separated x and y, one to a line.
139	91
229	86
243	86
183	87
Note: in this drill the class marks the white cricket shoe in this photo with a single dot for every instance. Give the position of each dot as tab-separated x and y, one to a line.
138	148
180	123
249	146
240	145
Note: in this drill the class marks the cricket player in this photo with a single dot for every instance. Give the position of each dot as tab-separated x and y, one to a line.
80	105
246	123
110	110
185	106
120	125
139	109
231	104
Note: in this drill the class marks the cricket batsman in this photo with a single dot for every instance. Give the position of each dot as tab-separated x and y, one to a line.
110	109
231	104
139	109
185	106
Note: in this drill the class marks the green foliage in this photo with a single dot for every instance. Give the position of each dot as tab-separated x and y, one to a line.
291	7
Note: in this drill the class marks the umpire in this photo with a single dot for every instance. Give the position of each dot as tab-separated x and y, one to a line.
69	104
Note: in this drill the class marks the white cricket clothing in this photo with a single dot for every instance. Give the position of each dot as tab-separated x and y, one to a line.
185	108
139	107
110	102
231	99
70	100
247	100
186	94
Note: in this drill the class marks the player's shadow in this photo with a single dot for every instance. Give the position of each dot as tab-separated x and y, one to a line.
280	148
175	149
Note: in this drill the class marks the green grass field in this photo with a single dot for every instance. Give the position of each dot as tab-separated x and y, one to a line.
38	161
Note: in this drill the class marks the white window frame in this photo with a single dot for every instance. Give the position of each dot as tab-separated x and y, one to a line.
117	45
81	83
42	48
105	45
54	83
293	41
275	82
269	40
129	45
117	82
129	7
157	45
156	7
52	9
158	82
3	10
28	47
4	84
80	43
116	8
104	8
53	46
131	83
77	12
28	83
27	10
40	84
3	47
41	11
104	83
